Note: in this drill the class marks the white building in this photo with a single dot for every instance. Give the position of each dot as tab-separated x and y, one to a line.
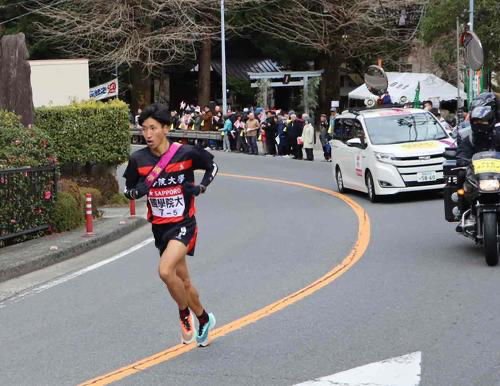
59	82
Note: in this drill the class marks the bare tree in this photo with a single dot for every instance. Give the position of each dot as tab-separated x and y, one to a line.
341	30
149	34
144	34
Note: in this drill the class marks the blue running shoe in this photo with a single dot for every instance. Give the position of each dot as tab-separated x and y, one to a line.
202	336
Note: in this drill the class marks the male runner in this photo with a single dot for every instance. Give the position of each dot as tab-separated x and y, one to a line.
171	210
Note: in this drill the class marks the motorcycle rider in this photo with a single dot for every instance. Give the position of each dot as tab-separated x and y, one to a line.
485	113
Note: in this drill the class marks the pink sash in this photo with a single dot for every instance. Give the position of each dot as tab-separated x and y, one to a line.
162	164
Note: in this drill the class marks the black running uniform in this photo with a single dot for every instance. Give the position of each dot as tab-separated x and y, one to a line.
170	209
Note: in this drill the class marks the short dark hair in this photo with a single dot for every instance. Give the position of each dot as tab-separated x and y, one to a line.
156	111
429	102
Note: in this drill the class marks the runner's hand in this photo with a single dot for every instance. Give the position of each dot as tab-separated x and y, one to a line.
193	189
141	189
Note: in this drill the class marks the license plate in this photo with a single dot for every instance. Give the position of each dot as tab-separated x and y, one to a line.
426	177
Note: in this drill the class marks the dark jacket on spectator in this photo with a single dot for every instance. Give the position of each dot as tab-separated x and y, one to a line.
207	121
296	128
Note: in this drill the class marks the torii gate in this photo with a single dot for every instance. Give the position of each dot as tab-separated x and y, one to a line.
305	75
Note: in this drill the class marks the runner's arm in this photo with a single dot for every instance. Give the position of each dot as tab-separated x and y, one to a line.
203	160
134	187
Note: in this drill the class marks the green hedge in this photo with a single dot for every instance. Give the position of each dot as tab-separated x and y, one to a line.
26	201
26	198
88	132
66	215
22	146
105	182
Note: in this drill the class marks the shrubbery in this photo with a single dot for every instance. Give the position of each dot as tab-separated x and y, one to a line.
65	215
22	146
72	188
89	132
26	198
117	199
97	199
106	183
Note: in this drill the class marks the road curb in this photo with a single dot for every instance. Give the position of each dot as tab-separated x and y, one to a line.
53	257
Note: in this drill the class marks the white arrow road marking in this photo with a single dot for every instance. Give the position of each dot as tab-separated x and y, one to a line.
400	371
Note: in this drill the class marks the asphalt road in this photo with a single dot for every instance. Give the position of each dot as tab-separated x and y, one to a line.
418	287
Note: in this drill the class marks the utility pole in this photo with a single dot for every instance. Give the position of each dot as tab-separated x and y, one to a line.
223	59
458	69
472	73
471	15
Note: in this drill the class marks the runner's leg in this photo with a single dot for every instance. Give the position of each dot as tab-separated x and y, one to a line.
191	292
173	254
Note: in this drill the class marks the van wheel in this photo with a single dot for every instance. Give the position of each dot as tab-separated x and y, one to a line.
340	181
370	187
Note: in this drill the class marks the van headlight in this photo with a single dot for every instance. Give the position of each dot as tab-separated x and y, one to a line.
384	157
489	185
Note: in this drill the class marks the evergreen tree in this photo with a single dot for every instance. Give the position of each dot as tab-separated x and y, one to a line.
439	32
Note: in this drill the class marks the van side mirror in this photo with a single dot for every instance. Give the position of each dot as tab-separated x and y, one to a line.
356	142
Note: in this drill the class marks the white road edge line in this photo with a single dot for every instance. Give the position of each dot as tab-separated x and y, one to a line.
40	288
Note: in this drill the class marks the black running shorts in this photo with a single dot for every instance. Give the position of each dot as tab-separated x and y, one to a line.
184	231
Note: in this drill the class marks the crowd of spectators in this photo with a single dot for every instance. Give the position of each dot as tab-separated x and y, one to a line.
281	133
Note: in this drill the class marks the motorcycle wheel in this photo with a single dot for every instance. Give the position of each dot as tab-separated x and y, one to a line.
490	227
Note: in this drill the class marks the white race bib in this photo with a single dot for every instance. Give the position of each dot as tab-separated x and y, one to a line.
167	202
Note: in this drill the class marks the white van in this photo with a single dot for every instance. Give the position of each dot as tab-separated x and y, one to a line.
388	151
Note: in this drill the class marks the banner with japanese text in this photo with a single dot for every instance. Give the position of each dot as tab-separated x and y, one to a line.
106	90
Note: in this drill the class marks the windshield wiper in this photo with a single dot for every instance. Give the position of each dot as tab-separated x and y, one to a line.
396	143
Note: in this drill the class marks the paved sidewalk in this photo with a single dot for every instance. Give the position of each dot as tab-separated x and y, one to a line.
317	151
23	258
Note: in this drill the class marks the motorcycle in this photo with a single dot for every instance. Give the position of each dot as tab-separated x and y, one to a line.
481	188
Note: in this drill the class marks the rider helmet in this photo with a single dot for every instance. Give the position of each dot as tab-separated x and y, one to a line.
482	120
488	99
483	116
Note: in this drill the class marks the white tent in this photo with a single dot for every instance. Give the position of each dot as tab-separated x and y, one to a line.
403	85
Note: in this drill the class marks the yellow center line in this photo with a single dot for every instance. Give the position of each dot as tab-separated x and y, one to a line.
349	261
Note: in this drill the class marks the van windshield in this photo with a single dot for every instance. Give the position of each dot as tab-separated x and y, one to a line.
394	129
